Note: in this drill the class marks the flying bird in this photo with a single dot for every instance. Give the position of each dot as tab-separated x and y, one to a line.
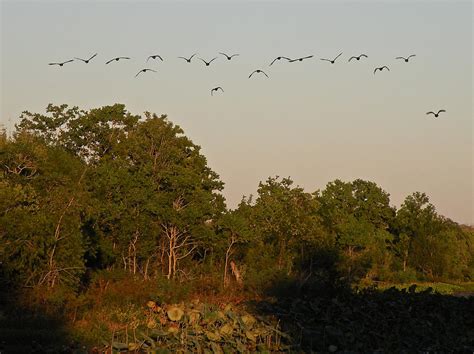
61	64
257	71
116	59
381	68
229	57
87	60
332	61
144	71
215	89
279	58
154	57
406	59
208	62
358	58
301	59
188	59
436	114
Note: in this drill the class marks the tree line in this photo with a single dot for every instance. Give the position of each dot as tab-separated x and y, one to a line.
83	192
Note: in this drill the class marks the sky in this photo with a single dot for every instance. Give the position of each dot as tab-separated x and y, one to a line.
312	121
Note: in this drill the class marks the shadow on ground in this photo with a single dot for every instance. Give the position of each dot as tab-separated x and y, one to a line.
325	318
25	330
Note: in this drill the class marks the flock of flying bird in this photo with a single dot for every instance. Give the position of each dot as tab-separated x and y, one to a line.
258	71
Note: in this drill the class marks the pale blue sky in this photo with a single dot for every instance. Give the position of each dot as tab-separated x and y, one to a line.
312	120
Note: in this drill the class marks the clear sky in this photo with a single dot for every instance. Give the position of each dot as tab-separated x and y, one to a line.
310	120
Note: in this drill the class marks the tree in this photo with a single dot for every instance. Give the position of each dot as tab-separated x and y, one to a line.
88	134
284	224
41	216
152	186
428	242
356	213
187	190
234	225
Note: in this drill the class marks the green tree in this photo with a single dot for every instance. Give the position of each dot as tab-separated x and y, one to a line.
285	228
428	242
152	187
40	217
358	215
235	228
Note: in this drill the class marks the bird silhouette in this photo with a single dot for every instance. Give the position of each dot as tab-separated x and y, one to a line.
116	59
229	57
381	68
301	59
188	59
208	62
279	58
144	71
215	89
87	60
61	64
154	57
406	59
436	114
332	61
257	71
358	58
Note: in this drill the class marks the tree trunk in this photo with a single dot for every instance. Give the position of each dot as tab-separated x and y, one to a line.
145	270
236	272
179	247
227	256
52	271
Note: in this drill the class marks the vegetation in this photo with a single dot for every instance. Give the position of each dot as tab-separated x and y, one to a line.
102	211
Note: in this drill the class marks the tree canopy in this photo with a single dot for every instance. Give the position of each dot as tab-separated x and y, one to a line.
105	190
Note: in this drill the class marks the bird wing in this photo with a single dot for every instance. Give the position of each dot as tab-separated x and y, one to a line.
253	72
92	57
205	62
81	59
53	64
264	73
274	60
363	55
352	58
212	60
159	56
337	56
325	59
234	55
376	70
212	90
111	60
385	67
430	112
139	72
309	56
441	110
400	58
221	88
124	58
192	56
151	56
225	55
67	61
413	55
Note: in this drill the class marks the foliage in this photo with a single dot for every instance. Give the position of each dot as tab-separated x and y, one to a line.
101	210
194	326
